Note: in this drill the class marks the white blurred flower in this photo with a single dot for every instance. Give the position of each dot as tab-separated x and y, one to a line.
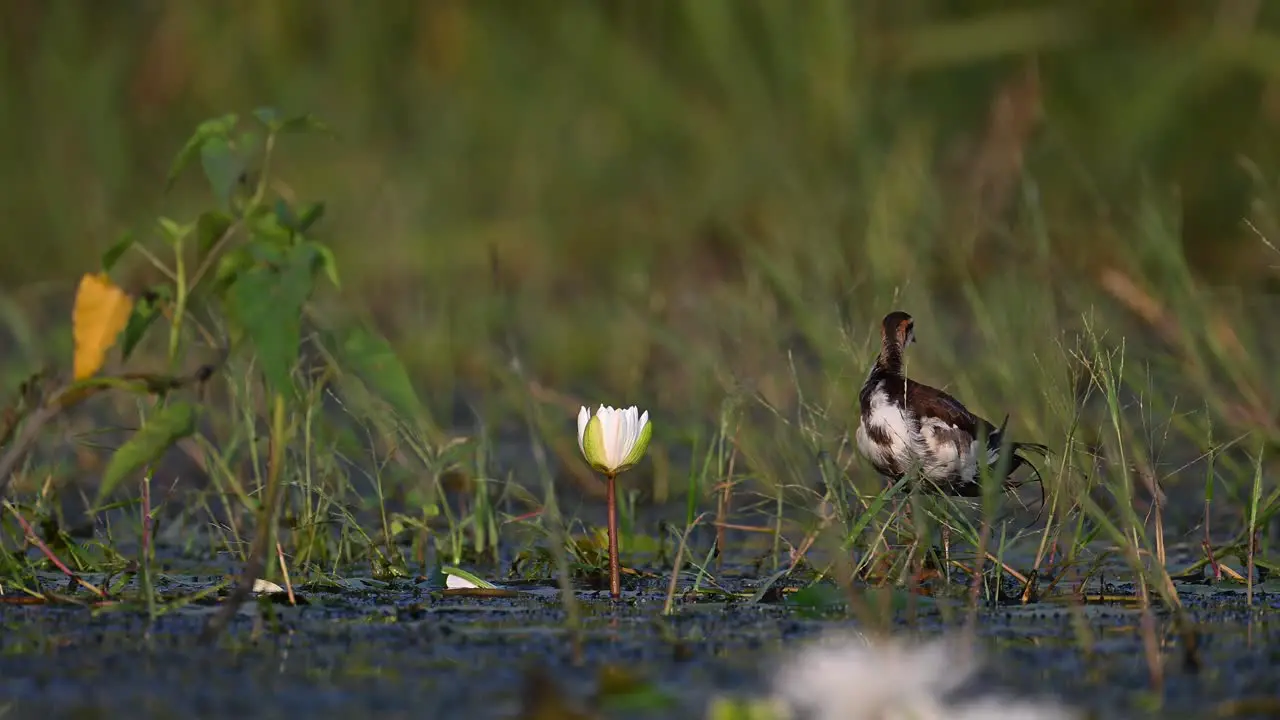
613	439
853	678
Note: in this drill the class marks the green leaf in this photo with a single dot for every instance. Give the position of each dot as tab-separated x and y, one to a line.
219	127
268	254
210	228
284	215
311	213
370	358
170	424
373	360
145	311
116	251
298	222
328	262
276	123
267	303
266	227
469	577
173	232
230	265
763	588
223	167
816	600
303	124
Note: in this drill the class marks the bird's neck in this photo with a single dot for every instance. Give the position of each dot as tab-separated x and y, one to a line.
889	362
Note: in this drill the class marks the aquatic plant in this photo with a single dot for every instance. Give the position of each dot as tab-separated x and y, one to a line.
1080	198
613	441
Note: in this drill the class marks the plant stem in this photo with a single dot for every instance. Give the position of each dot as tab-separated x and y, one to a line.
255	563
147	581
179	305
615	583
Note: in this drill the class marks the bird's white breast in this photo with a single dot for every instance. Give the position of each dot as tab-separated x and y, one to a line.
892	421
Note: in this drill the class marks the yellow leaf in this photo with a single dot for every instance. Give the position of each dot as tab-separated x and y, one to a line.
101	312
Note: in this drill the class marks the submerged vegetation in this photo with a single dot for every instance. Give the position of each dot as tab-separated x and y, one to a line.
343	351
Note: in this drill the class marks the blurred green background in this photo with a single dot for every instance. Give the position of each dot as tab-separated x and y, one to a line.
670	203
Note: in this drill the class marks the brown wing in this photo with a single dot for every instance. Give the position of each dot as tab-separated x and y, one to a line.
925	400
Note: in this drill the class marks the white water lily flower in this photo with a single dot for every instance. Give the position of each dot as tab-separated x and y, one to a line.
843	677
613	440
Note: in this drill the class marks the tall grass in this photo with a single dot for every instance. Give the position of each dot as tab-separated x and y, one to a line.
699	205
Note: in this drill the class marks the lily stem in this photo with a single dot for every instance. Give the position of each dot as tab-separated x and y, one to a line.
615	583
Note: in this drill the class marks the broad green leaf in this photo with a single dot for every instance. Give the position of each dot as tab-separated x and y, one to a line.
230	265
266	306
210	228
219	127
271	255
267	303
370	358
116	251
267	228
170	424
222	168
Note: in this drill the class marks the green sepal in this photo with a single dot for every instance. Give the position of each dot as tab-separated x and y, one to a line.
637	451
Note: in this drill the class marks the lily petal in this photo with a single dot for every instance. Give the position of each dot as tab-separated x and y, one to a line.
615	437
584	417
640	443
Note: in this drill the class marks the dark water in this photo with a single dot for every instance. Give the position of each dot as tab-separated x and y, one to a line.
403	650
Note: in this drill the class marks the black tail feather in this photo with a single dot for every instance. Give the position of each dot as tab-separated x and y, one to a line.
1037	448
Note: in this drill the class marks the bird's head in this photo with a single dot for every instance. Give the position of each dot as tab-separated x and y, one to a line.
898	329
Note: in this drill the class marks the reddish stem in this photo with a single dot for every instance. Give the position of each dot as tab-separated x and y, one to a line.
35	540
615	583
1213	562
